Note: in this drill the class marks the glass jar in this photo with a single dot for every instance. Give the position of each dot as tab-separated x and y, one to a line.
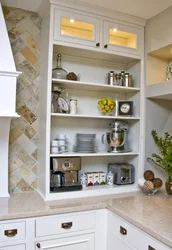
59	72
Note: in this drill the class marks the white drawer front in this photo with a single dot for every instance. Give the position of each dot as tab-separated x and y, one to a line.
81	242
64	224
17	247
154	245
12	231
132	235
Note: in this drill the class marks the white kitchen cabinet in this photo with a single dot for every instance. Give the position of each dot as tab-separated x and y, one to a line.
125	236
84	242
76	27
123	37
17	247
81	56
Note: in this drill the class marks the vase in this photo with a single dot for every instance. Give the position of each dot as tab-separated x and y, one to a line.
168	186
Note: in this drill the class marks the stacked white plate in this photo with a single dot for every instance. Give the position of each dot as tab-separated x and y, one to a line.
86	143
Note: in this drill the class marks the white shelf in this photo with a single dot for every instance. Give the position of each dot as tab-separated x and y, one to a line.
161	91
9	115
95	191
94	116
98	154
94	87
162	53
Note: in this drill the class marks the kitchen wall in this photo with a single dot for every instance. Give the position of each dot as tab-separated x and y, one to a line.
24	33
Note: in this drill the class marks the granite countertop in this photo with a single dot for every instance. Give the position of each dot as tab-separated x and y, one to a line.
152	214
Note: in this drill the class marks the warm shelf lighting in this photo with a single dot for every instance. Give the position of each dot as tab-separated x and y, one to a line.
115	30
72	20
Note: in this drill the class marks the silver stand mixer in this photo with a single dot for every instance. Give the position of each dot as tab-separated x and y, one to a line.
117	137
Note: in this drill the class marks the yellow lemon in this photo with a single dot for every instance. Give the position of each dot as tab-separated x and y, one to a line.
103	110
107	108
102	106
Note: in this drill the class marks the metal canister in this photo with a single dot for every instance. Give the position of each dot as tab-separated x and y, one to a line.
122	77
127	80
73	106
110	76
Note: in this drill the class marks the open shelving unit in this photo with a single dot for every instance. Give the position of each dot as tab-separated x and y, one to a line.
92	64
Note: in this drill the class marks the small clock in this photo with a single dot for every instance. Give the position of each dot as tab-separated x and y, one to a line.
125	108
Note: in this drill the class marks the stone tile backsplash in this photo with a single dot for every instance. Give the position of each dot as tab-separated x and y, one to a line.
24	33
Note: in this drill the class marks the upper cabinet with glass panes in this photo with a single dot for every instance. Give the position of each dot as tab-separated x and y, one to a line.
91	30
122	37
76	28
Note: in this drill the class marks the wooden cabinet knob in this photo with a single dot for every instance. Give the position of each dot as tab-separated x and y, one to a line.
10	232
105	46
66	225
38	245
97	44
123	231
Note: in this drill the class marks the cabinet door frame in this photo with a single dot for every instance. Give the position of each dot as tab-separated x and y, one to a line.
83	17
126	28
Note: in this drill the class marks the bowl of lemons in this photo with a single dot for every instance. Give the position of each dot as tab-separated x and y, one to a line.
106	105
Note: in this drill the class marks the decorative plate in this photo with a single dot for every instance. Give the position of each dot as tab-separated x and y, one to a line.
169	72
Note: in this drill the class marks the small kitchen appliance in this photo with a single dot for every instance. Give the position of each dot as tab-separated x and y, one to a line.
70	168
123	173
117	137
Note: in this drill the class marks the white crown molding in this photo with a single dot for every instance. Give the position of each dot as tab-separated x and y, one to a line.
91	8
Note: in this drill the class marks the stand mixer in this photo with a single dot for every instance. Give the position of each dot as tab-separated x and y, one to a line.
117	137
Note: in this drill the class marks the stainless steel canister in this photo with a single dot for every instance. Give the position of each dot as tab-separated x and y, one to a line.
111	76
127	80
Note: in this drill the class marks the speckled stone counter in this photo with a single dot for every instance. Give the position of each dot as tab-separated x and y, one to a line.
152	214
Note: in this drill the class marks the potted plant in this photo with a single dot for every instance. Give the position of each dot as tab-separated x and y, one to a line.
164	159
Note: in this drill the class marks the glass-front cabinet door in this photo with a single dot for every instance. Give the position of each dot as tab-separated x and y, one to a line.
76	28
122	38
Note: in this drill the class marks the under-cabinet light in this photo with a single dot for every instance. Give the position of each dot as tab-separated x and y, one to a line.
115	30
72	20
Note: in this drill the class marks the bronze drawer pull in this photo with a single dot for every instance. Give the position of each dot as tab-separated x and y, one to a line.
123	231
151	248
97	44
38	245
66	225
105	46
10	232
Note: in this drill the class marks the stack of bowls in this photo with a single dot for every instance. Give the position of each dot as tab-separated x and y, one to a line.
59	145
86	143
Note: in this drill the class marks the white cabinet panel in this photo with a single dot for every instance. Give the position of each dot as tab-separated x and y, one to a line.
81	242
77	28
64	224
12	231
17	247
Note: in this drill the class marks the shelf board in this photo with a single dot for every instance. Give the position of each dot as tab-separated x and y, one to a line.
94	87
161	91
9	115
95	191
162	53
94	116
98	154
